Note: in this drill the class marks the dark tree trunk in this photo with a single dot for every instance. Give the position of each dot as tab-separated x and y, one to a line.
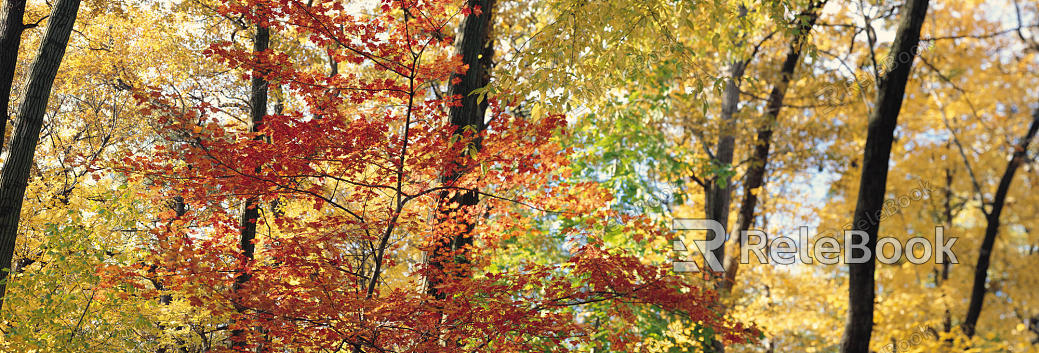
873	182
947	215
11	28
943	275
754	178
22	148
474	44
718	191
755	174
977	293
251	205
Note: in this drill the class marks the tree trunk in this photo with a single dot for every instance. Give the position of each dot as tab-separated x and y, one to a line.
22	148
475	45
718	197
754	178
755	174
942	275
977	293
10	39
873	182
251	205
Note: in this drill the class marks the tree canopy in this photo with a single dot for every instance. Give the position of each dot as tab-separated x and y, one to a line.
519	176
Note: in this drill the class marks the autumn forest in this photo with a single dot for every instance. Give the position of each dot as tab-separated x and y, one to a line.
852	176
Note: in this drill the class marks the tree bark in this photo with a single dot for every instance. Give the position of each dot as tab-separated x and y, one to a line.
251	205
873	182
943	275
718	191
476	47
977	294
11	28
755	175
22	148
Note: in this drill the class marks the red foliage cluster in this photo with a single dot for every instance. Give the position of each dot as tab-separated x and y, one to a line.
361	152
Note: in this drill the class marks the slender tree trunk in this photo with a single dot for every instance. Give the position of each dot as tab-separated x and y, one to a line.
754	179
11	28
873	182
977	294
943	275
718	190
251	205
476	47
947	215
22	148
755	176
